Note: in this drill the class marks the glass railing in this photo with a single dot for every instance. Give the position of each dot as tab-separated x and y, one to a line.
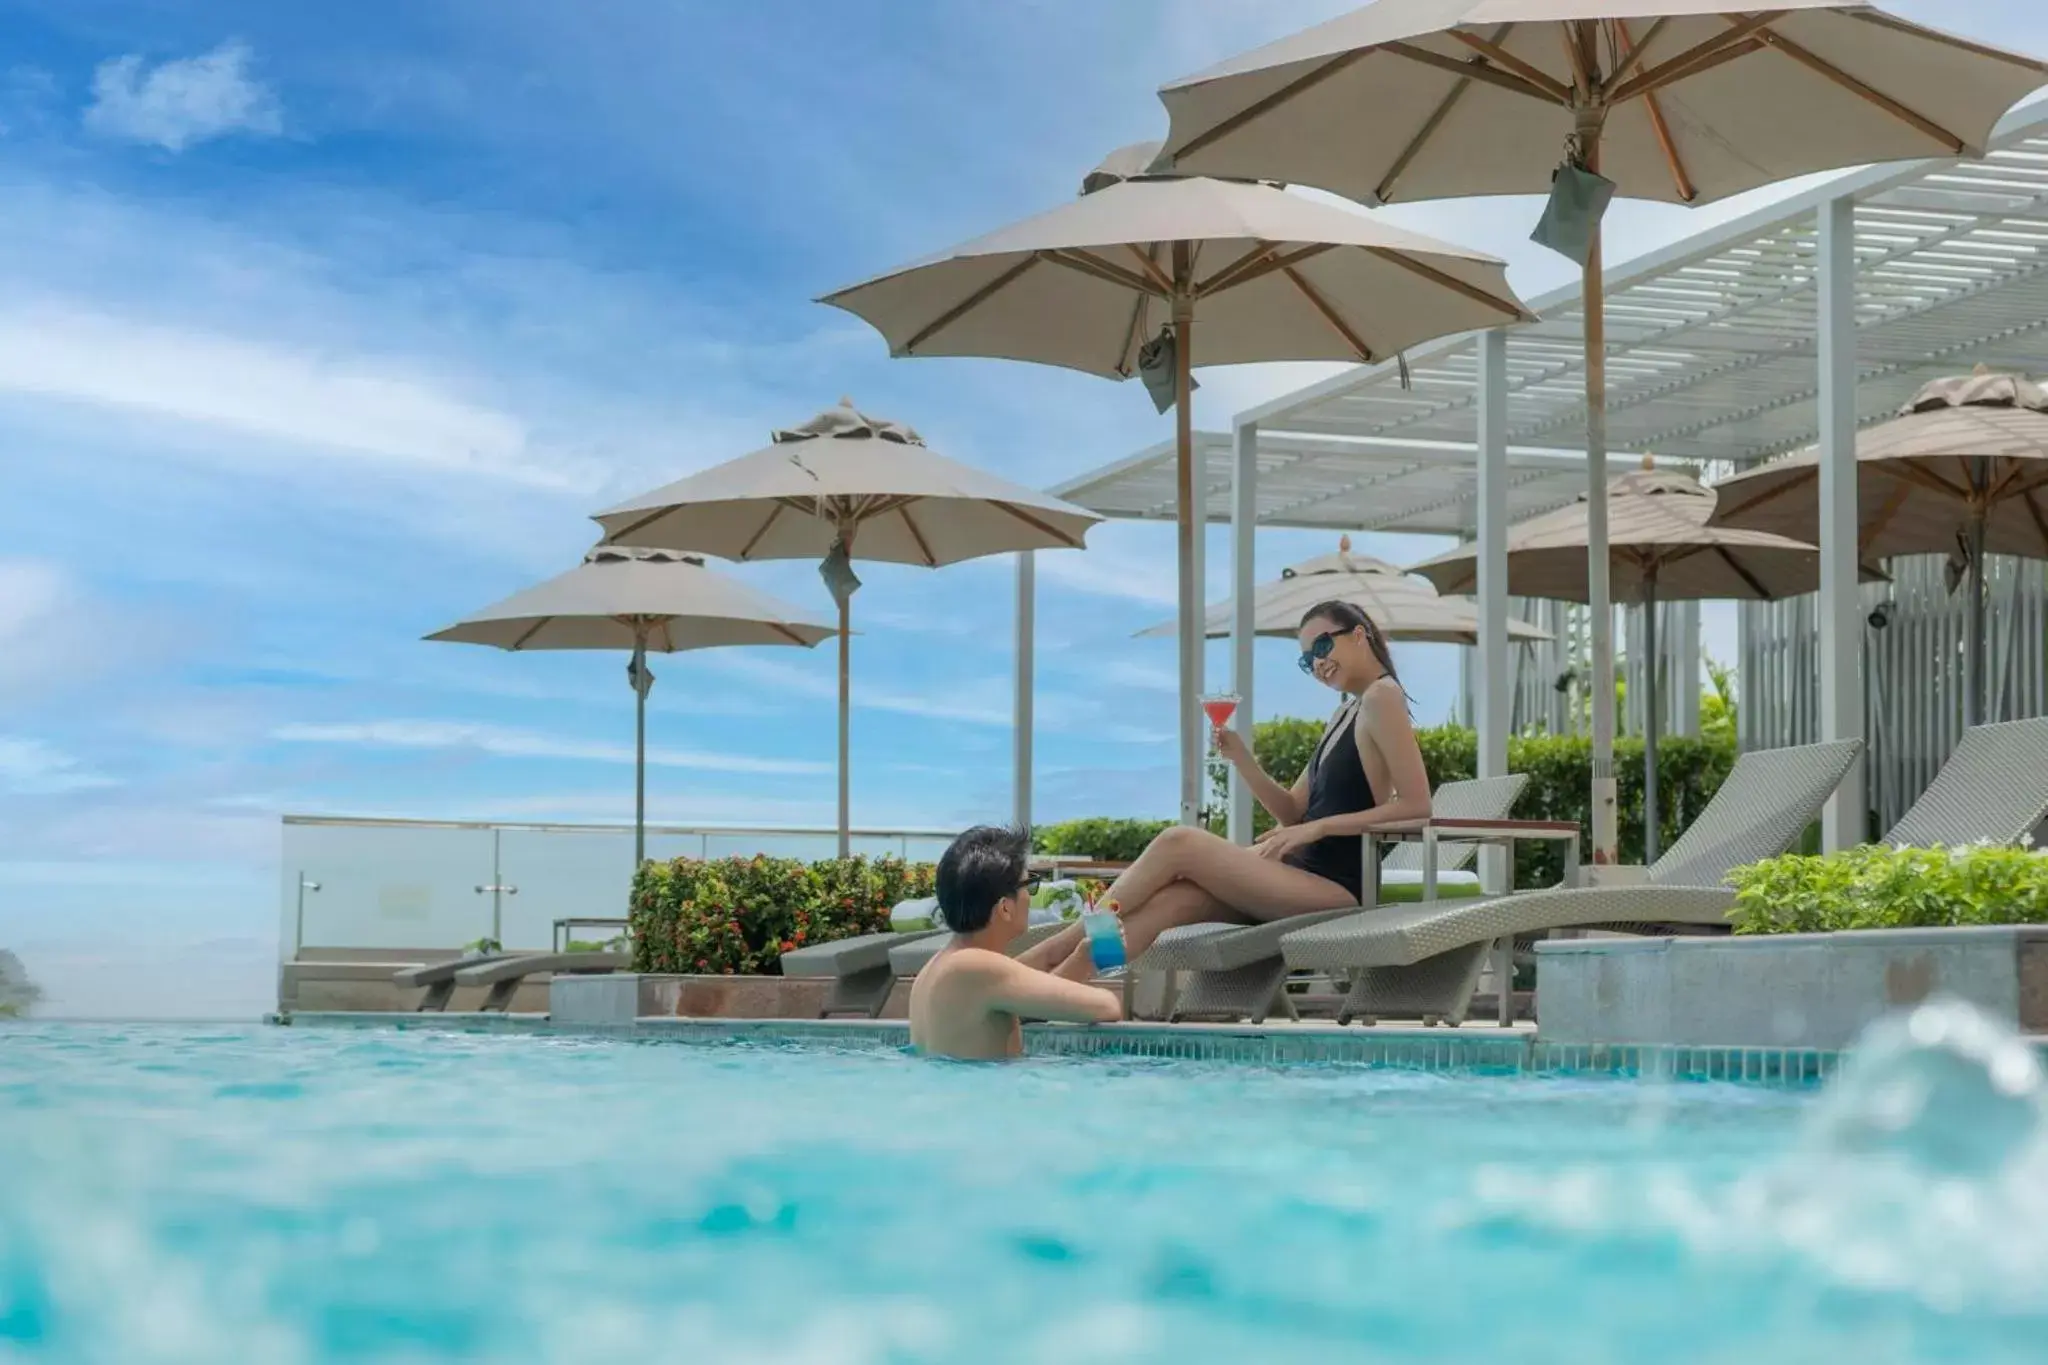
393	884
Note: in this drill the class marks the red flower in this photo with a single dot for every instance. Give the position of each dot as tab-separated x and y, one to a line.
799	936
702	963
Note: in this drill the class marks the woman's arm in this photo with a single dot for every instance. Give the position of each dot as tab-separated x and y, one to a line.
1383	723
1284	804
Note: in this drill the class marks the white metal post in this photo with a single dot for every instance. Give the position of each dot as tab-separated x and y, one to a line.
1244	518
1020	724
1494	668
1839	606
1686	674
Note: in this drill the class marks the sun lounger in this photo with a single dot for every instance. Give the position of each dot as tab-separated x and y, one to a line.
1424	960
858	968
1994	787
1234	971
505	974
439	978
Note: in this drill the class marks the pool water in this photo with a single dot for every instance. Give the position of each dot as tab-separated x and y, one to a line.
295	1195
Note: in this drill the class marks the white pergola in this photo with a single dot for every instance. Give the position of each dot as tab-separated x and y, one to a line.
1788	327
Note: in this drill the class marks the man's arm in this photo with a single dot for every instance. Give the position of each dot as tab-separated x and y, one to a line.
1014	988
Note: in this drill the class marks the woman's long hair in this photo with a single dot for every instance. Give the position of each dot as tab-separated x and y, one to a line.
1351	616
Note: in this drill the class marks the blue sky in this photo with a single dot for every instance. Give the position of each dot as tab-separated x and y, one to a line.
323	325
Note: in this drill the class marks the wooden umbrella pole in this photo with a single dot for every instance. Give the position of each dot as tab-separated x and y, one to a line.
845	705
1599	599
639	745
1188	527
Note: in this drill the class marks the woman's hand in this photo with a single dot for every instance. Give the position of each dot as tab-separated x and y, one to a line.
1230	743
1281	840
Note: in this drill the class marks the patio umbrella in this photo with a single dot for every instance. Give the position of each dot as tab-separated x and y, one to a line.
639	600
1112	283
1402	606
1962	471
845	485
1660	547
1677	100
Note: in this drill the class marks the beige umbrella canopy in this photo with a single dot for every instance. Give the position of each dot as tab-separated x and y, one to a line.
1402	606
896	501
1660	546
1112	284
1962	471
1676	100
847	486
639	600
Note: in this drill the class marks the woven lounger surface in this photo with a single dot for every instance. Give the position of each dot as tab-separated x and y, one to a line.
1402	936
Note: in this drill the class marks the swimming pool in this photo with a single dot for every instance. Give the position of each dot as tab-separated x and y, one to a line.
278	1195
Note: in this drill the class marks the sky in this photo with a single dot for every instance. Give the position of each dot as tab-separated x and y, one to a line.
322	326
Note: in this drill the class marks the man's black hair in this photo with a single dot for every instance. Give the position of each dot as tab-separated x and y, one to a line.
982	867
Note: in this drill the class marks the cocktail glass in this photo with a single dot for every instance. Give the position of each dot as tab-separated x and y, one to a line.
1219	707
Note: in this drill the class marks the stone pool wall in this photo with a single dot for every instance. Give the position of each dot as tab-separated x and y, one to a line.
1790	990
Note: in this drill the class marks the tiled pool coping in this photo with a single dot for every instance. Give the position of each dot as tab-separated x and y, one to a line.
1474	1049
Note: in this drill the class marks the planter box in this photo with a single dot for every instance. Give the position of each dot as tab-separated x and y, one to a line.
625	996
1782	991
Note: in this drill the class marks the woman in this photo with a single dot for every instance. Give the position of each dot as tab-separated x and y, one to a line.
1366	771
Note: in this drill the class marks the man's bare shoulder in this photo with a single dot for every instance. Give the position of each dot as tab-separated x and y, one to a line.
971	963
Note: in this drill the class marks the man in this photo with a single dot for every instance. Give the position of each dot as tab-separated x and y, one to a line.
968	1000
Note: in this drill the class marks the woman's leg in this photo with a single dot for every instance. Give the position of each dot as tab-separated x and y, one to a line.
1179	904
1256	887
1150	873
1259	887
1050	952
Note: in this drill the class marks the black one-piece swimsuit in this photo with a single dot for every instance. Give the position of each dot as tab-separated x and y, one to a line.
1337	785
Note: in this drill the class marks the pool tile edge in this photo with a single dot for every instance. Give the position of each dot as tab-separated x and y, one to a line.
1475	1049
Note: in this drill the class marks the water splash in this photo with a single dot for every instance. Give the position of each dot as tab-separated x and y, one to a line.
1925	1167
1920	1172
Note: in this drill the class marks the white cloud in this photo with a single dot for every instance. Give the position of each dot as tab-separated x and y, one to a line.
975	703
179	103
31	767
31	591
1103	570
507	742
262	391
55	636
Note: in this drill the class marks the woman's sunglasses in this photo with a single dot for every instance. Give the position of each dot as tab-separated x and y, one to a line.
1319	649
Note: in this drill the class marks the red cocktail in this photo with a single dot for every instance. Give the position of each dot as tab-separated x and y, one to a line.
1219	709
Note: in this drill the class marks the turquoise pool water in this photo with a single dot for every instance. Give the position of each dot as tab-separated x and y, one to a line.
281	1195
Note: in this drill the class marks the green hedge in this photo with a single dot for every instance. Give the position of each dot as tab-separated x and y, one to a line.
1560	787
1110	841
738	916
1875	887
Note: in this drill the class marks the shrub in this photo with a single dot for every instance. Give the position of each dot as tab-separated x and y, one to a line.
1109	841
739	915
18	994
1874	887
1560	787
